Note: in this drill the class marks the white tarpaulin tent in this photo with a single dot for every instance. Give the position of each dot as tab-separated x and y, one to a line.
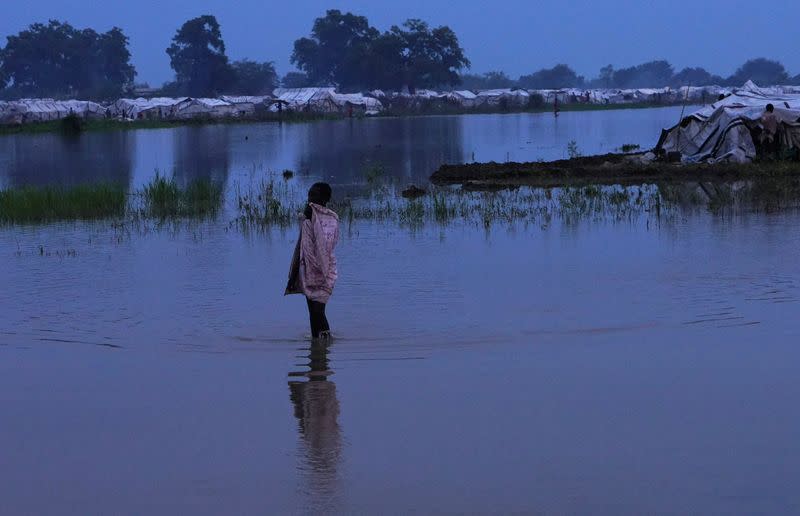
248	105
157	107
724	130
513	98
204	108
318	100
44	110
464	98
365	104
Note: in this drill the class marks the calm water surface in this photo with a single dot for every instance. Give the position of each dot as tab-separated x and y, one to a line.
598	367
409	149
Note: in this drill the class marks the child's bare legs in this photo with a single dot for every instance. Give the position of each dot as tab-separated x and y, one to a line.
316	315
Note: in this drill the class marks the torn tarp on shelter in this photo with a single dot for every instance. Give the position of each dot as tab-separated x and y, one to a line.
724	131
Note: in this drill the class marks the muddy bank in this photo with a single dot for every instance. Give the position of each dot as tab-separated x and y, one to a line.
608	169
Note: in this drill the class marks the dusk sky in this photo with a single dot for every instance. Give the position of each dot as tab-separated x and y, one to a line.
516	36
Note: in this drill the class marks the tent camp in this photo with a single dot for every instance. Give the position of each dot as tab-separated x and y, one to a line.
318	100
154	108
494	98
357	102
44	110
463	98
248	105
728	130
204	108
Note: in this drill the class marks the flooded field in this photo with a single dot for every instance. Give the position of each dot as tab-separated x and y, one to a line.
604	365
341	152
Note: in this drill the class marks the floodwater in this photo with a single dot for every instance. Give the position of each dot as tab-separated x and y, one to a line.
408	149
602	367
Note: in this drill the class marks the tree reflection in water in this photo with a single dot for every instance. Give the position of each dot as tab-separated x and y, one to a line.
317	411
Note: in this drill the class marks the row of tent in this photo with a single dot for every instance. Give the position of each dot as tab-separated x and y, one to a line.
315	100
730	128
522	97
329	101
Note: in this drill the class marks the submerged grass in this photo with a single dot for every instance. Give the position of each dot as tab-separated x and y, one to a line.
272	204
160	199
83	202
275	202
163	198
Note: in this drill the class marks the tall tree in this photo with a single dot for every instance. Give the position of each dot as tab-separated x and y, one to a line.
607	76
696	77
386	62
560	76
295	80
761	71
197	54
430	57
486	81
337	51
114	60
653	74
252	78
57	59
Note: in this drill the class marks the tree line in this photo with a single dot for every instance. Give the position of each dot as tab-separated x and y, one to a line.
652	74
342	50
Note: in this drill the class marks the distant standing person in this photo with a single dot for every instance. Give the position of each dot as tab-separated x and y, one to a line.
313	271
769	124
555	105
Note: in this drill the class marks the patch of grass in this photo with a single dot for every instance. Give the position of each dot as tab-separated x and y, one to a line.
84	202
202	198
273	205
164	199
161	197
265	204
572	150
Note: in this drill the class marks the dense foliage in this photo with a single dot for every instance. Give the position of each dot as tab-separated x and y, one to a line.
197	55
652	74
58	60
343	50
560	76
252	78
202	69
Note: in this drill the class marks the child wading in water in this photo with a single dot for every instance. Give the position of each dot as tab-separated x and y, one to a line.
313	272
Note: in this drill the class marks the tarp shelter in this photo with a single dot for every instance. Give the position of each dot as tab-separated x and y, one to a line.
248	105
204	108
512	98
317	100
357	102
44	110
463	98
725	130
154	108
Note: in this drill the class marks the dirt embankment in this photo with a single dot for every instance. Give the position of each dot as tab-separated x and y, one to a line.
608	169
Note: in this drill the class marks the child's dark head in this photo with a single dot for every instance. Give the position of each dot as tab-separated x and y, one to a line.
320	193
770	108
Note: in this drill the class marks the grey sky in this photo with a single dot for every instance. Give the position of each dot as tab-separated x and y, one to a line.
517	36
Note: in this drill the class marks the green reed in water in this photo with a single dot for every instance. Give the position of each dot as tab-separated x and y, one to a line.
84	202
274	204
163	198
267	203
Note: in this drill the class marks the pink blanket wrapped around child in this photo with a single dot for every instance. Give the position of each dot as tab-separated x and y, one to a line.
313	271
